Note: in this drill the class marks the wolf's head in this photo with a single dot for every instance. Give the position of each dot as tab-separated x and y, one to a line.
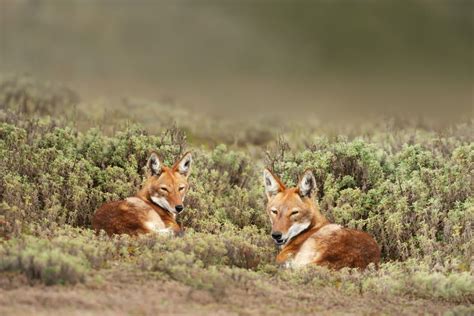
291	210
167	187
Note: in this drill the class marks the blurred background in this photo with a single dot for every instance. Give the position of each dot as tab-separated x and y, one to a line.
240	59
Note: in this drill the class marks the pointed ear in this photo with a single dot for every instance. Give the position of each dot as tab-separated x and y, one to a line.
183	165
272	184
154	164
307	185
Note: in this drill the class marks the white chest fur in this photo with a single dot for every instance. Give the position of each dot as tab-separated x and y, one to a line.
308	251
305	255
153	221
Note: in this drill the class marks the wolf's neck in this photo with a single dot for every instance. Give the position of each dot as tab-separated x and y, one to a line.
144	195
319	220
294	245
164	214
168	218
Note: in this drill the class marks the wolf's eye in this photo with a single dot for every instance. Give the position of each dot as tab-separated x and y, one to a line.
164	189
294	213
274	211
181	188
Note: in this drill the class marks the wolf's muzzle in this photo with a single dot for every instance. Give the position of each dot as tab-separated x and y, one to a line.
278	237
179	208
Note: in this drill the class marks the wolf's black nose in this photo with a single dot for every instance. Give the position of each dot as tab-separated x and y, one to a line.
179	208
276	235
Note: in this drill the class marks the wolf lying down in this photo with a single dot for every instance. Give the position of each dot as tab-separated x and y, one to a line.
304	235
154	208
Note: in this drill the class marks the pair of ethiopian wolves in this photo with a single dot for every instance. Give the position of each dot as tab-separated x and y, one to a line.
155	206
304	234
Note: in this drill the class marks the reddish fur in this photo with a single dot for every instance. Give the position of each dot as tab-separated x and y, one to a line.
343	248
119	217
335	249
125	217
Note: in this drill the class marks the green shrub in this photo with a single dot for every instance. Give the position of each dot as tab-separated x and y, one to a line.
33	97
225	190
59	255
410	188
56	175
411	278
416	201
246	248
39	260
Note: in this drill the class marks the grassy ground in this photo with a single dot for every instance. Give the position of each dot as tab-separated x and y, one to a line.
408	183
133	292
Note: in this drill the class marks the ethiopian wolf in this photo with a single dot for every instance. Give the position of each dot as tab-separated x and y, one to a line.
154	207
306	236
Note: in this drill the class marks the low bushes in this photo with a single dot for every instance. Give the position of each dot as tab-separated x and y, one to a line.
412	192
416	201
411	278
55	175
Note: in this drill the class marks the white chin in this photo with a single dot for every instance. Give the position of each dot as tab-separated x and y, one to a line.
163	203
296	229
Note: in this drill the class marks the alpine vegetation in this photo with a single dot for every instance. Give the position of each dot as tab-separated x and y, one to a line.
396	200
